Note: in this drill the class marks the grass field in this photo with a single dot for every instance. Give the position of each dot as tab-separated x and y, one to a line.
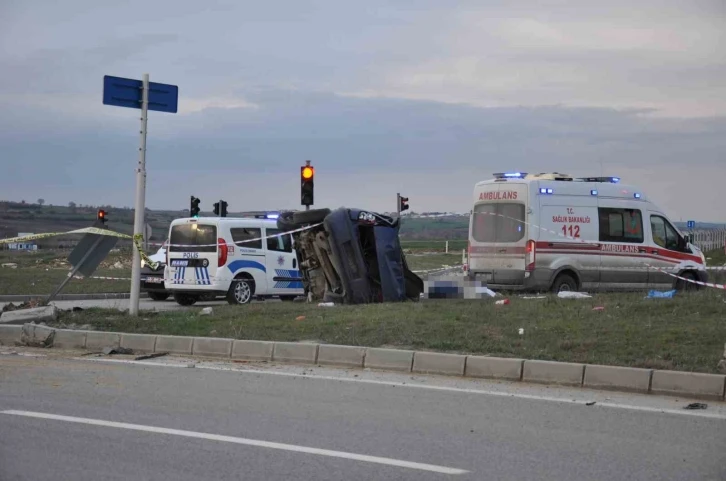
40	272
684	333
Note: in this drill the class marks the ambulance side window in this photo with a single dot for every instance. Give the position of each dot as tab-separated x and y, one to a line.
664	235
621	225
242	236
281	243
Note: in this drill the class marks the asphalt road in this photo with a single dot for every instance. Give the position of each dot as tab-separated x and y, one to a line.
93	419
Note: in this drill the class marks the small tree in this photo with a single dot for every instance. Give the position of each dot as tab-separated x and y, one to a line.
41	202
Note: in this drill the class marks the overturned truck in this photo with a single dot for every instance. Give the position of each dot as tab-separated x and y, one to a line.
350	256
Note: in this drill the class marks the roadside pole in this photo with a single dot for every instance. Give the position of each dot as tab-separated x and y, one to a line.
139	206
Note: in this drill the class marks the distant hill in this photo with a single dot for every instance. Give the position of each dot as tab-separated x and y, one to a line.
16	217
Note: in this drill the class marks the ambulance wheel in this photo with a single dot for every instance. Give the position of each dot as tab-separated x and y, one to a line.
312	216
241	291
186	299
158	296
563	283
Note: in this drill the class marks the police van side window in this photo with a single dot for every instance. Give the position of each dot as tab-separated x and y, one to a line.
242	236
664	235
282	243
621	225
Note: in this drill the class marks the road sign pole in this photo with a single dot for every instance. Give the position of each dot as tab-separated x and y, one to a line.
140	200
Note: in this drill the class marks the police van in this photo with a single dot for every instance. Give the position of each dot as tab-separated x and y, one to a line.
551	231
238	258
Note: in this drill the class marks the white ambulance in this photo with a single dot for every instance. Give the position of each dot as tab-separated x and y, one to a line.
550	231
239	258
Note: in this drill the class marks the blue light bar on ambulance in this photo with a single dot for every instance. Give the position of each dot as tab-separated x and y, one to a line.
636	195
593	192
542	190
510	175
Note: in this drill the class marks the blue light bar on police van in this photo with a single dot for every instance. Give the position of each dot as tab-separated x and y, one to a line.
636	195
593	192
614	180
272	216
542	190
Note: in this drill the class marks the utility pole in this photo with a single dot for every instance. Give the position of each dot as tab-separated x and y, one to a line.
139	206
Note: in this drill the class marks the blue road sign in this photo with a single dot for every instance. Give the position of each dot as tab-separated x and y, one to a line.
691	224
126	92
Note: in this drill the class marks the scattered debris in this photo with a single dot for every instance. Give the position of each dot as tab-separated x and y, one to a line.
300	318
573	295
521	331
589	403
502	302
108	350
661	294
10	265
696	406
598	308
207	311
326	304
150	356
8	353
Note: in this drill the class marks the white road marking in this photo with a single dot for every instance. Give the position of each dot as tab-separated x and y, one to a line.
534	397
249	442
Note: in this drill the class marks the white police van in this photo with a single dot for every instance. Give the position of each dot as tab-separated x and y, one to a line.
239	258
551	231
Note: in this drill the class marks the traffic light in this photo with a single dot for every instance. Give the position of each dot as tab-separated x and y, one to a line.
220	209
307	177
194	207
101	217
402	203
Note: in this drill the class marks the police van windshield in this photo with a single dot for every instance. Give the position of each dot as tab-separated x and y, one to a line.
193	238
498	222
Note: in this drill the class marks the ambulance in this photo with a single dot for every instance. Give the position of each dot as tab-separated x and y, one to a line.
238	258
553	232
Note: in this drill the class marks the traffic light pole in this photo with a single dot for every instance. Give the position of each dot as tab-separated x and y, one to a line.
139	206
398	204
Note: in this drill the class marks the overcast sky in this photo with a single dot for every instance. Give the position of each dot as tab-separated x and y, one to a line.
419	97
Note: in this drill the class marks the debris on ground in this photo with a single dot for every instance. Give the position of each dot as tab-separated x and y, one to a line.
10	265
24	305
108	350
207	311
598	308
300	318
661	294
573	295
502	302
150	356
326	304
590	403
696	406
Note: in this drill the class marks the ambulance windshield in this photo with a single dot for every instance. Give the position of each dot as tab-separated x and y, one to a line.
193	238
498	222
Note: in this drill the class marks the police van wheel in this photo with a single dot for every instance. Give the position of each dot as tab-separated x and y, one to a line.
241	291
564	283
158	296
186	299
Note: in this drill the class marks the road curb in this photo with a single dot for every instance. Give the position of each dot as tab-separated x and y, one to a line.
614	378
70	297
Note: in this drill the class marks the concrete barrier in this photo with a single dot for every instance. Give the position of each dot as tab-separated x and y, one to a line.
617	378
35	335
494	367
138	342
253	350
174	344
565	373
390	359
330	354
438	363
36	314
694	384
212	346
67	339
95	341
295	352
9	335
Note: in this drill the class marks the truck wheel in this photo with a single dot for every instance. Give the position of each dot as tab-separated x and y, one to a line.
563	283
310	216
682	285
158	296
185	299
